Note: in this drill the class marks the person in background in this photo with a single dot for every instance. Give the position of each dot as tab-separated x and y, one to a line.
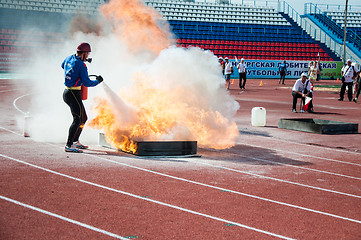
228	70
348	73
319	69
358	84
242	74
221	62
283	70
312	71
76	76
301	89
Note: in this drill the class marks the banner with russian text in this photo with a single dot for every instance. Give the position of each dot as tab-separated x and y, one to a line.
270	69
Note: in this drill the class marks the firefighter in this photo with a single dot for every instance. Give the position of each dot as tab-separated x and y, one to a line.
76	77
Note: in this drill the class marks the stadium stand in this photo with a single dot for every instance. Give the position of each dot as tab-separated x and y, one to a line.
335	25
228	30
239	31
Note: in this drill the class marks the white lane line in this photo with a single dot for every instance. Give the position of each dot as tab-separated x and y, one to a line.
228	190
10	90
305	168
147	199
300	154
315	146
248	173
16	107
245	194
280	180
62	217
8	130
286	103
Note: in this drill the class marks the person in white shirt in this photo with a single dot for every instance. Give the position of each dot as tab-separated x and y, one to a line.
242	74
312	72
301	89
228	70
348	72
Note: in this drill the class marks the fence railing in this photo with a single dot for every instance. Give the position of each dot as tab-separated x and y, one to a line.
338	7
351	35
317	34
255	3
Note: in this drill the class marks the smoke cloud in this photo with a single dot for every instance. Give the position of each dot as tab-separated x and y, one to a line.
153	90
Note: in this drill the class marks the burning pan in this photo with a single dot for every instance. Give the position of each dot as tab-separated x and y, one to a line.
159	148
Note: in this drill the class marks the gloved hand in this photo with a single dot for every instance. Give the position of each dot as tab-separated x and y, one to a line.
99	78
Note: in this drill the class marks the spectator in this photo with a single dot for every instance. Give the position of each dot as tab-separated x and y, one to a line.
319	69
358	85
221	62
348	73
301	89
228	70
242	74
312	71
283	71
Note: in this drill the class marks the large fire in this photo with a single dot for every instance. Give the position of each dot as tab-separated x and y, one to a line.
159	106
138	25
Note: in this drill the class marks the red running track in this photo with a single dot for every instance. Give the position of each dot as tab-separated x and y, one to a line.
273	184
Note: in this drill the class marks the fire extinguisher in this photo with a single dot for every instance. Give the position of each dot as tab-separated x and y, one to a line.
84	92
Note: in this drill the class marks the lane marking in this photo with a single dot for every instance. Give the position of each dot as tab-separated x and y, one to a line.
16	107
294	166
8	130
147	199
301	154
315	146
228	190
286	103
62	217
244	172
248	173
11	90
306	168
280	180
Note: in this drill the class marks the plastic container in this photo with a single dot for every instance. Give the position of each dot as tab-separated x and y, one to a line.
27	119
258	117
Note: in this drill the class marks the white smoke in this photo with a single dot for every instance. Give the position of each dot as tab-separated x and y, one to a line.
195	70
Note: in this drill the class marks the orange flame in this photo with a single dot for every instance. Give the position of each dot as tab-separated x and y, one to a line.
161	113
165	115
138	25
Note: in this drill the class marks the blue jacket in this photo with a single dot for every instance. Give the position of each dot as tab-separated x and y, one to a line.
283	67
76	73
